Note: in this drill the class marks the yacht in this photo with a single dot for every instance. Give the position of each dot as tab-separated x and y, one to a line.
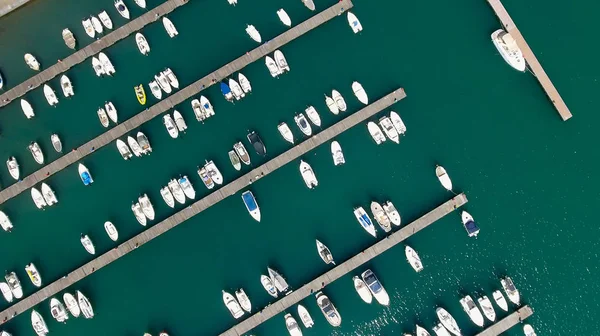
331	105
235	160
27	109
155	89
413	259
360	93
179	121
170	126
487	308
14	284
448	321
511	291
286	132
34	275
58	311
268	285
140	94
381	217
500	300
339	100
49	195
325	253
5	222
272	66
509	49
337	154
398	123
71	304
186	187
89	28
354	23
38	323
56	143
171	78
441	174
88	244
243	299
365	221
471	309
251	204
469	224
305	317
138	213
257	143
122	9
238	93
38	199
50	95
163	82
135	146
226	91
213	172
109	69
292	325
32	62
96	24
98	68
308	175
169	27
528	330
284	17
240	150
106	21
147	207
328	309
375	132
375	287
278	280
142	44
167	196
176	190
253	33
111	231
103	117
206	107
303	124
392	213
245	83
232	304
141	3
142	140
85	305
67	86
389	129
85	175
309	4
13	167
362	289
313	115
281	62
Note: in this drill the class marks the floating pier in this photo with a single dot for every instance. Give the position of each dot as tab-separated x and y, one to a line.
507	322
534	64
173	100
7	6
228	190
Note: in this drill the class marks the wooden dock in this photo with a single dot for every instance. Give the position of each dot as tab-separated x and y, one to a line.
89	51
175	99
208	201
507	322
534	64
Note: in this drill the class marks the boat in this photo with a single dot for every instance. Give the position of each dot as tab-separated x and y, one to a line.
171	78
38	198
243	300
241	151
325	253
375	132
245	83
509	49
38	323
213	172
142	44
85	305
332	105
206	179
109	69
14	284
354	23
309	4
97	24
141	3
362	289
58	311
328	309
88	244
398	123
13	167
111	231
69	38
389	129
440	330
268	285
176	190
232	2
147	207
337	154
66	85
471	309
163	82
278	280
360	93
286	132
511	291
284	17
111	111
170	126
140	94
413	259
142	140
272	66
1	86
123	149
500	300
469	224
27	109
253	33
238	93
487	308
365	221
292	325
186	187
381	217
32	62
281	62
448	321
179	122
71	304
206	107
169	27
305	317
308	175
34	275
122	9
339	100
303	124
50	95
226	91
56	143
89	28
528	330
85	175
6	292
103	117
97	65
375	287
257	143
313	115
441	174
421	331
235	160
232	304
105	19
198	111
392	213
36	152
138	213
251	204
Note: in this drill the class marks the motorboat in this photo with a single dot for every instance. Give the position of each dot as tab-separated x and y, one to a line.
141	3
186	187
206	107
339	100
422	331
308	175
179	121
6	293
105	19
176	190
97	24
56	143
103	117
135	146
313	115
171	78
38	198
292	325
286	132
169	27
14	284
309	4
360	93
238	93
389	129
163	82
486	307
140	94
34	275
375	132
278	280
325	253
305	317
441	174
109	69
5	222
511	291
328	309
375	287
303	124
509	49
337	154
448	321
257	143
413	259
232	304
198	111
398	123
111	111
392	213
2	79
267	283
97	65
48	193
251	204
58	311
32	62
138	213
213	172
364	221
235	160
284	17
89	28
85	305
253	33
71	304
142	44
142	140
362	289
244	83
170	126
155	89
354	23
281	62
241	151
50	95
528	330
500	300
243	299
206	179
469	224
13	167
111	231
226	91
147	207
381	217
88	244
38	323
232	2
272	66
67	86
85	175
122	9
331	105
27	109
471	309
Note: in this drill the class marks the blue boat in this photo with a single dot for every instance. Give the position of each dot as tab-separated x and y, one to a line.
469	224
85	175
251	205
226	92
365	221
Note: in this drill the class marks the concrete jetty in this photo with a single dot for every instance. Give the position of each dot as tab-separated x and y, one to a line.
92	49
508	322
215	197
534	64
7	6
175	99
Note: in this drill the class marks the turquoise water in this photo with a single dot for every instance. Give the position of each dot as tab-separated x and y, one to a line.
529	177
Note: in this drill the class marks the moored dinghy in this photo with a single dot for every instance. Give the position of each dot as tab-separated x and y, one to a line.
381	217
85	305
308	175
123	149
176	190
253	33
85	175
364	221
36	152
303	124
106	21
111	231
487	308
235	160
140	94
13	167
337	154
50	95
360	93
34	275
69	39
413	259
441	174
354	23
232	305
471	309
362	290
66	86
392	213
448	321
27	109
325	253
292	325
122	9
313	115
309	4
339	100
305	317
32	62
138	213
38	198
285	132
142	44
169	27
245	83
71	304
243	299
38	323
179	121
500	300
388	128
284	17
375	132
89	28
268	285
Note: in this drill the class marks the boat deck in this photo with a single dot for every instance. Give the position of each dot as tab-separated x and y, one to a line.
507	322
532	62
206	202
175	99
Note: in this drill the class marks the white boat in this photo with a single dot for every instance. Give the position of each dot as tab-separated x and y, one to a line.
362	289
284	17
500	300
309	4
292	325
186	187
413	259
268	285
241	151
202	111
441	174
511	291
389	129
105	19
173	81
398	123
375	132
469	224
97	65
85	305
286	132
422	331
509	49
67	86
49	195
232	2
138	213
354	23
36	152
272	66
440	330
109	69
176	190
235	160
13	167
253	33
364	221
313	115
124	149
206	179
213	172
170	126
339	100
232	304
103	117
245	83
89	28
122	9
50	95
328	309
243	299
528	330
142	44
360	93
32	62
58	311
325	253
38	198
337	154
141	3
97	24
71	304
169	27
471	309
308	175
147	207
27	109
56	143
448	321
375	287
70	41
487	308
155	89
14	284
392	213
179	121
163	82
85	175
281	62
111	111
332	105
142	140
135	146
88	244
34	275
235	87
303	124
305	317
6	292
111	231
381	217
38	323
278	280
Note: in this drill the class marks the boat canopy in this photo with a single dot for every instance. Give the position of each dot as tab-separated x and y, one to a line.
471	227
225	88
87	179
249	200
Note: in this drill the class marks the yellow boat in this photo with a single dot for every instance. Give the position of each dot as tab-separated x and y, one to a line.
140	94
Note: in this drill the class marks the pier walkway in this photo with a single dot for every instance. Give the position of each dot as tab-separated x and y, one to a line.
346	267
89	51
534	64
175	99
208	201
507	322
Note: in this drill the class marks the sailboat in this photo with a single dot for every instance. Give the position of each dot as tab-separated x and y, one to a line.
292	325
413	259
147	207
98	68
313	115
332	105
85	305
235	160
138	213
67	86
284	17
179	121
309	4
109	69
253	33
281	62
364	221
88	244
162	81
38	323
226	91
97	24
448	321
169	27
267	284
487	308
238	93
511	291
398	123
36	152
325	253
285	132
243	299
123	149
509	49
140	94
13	167
38	198
354	23
32	62
186	187
27	109
245	83
305	317
240	150
5	222
171	78
14	284
176	190
272	66
34	275
142	44
360	93
142	140
122	9
328	309
380	216
469	224
375	132
85	175
337	154
375	287
278	280
89	28
105	19
213	172
71	304
170	126
303	124
232	305
389	129
308	175
50	95
251	204
500	300
339	100
58	311
111	231
362	289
